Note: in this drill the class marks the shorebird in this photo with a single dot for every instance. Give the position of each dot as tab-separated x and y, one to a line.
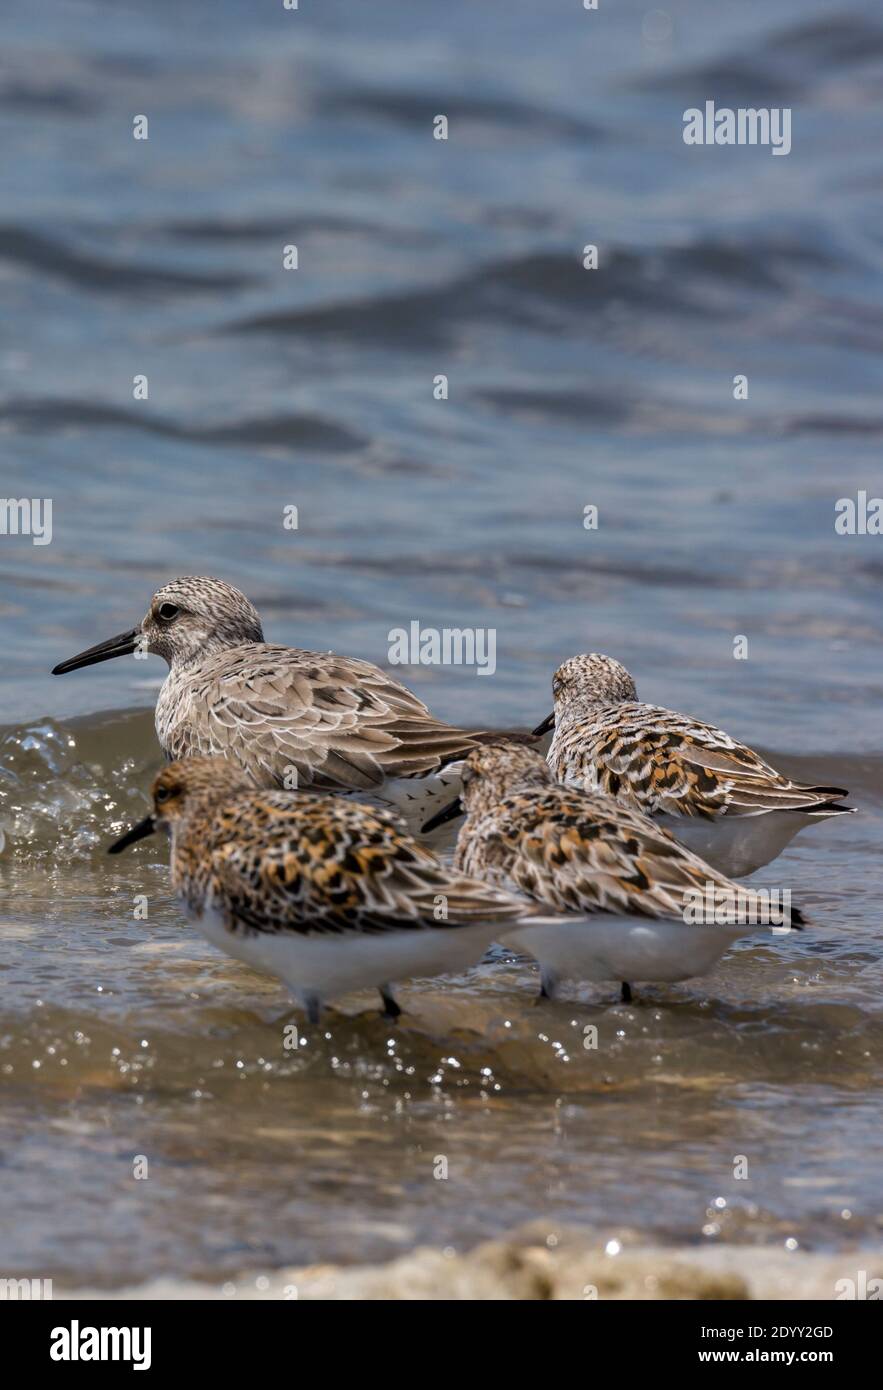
288	717
615	896
718	796
326	894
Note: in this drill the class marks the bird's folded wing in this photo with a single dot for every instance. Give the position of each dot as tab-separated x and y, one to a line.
669	763
588	855
337	722
335	867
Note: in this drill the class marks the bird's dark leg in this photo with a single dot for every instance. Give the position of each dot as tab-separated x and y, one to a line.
626	993
313	1006
391	1009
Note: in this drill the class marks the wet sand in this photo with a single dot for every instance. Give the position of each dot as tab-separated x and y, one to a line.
551	1265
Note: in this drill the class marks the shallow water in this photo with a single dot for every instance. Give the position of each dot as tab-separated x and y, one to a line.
123	1037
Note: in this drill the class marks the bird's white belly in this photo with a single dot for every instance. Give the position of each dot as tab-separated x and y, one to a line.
634	949
737	845
327	964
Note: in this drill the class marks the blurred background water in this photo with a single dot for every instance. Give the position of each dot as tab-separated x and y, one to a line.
314	388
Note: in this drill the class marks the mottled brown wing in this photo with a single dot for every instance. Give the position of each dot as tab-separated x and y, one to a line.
662	762
340	723
578	853
327	865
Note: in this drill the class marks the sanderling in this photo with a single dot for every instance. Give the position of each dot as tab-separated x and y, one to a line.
326	894
615	890
289	717
717	796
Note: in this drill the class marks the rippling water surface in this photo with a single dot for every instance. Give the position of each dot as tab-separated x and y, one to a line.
269	388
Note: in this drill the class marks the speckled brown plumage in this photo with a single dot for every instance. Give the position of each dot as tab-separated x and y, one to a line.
616	896
569	850
328	895
275	861
288	717
655	759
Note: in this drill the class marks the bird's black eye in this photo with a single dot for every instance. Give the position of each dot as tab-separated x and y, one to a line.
163	793
168	611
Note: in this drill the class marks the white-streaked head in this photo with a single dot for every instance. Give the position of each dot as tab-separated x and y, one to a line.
188	618
493	770
197	614
592	679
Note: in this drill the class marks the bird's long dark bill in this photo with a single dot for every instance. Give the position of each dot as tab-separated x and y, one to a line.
138	832
122	645
547	724
449	812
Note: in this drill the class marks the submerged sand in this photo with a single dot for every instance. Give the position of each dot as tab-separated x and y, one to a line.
526	1266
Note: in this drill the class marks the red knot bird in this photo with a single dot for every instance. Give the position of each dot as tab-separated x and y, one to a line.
325	894
288	717
615	896
718	796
